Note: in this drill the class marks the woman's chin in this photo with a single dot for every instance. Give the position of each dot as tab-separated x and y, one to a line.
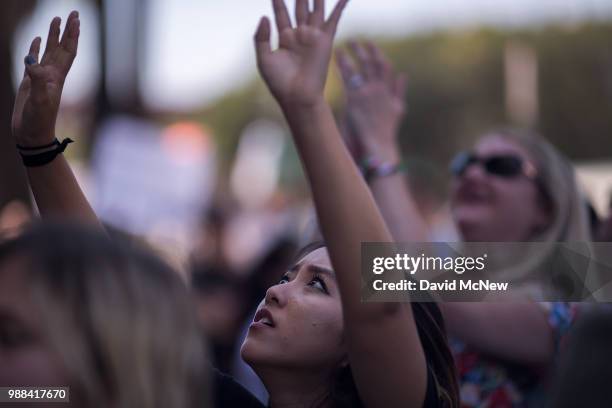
474	227
251	351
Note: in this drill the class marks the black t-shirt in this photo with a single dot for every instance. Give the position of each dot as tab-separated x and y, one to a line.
230	394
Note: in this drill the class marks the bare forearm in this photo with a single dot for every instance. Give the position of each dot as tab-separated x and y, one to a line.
346	210
296	75
348	216
516	332
399	209
55	188
375	108
58	194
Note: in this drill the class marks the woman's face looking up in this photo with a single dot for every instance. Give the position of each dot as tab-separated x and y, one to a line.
490	203
299	323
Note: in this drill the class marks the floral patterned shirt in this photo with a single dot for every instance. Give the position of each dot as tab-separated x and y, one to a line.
486	382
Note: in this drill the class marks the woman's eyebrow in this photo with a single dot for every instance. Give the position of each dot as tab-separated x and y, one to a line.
314	269
322	270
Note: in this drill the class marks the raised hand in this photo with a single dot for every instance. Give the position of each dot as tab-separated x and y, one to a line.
297	71
40	92
375	100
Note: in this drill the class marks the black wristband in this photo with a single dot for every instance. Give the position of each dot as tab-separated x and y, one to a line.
40	159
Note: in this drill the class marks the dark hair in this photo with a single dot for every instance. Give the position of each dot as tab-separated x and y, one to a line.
582	374
432	334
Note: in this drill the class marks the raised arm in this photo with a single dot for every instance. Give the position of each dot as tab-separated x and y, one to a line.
54	186
517	332
385	353
375	107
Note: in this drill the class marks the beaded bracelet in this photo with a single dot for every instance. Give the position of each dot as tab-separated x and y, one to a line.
372	168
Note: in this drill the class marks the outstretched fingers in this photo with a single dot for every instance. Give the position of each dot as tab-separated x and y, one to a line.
381	63
347	69
70	38
61	53
304	16
363	58
262	39
317	17
52	39
331	26
283	21
301	12
70	42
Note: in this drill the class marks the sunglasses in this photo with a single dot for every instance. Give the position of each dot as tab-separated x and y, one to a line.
507	166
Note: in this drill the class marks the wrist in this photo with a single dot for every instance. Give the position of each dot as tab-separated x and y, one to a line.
378	141
35	141
302	105
40	155
373	167
303	114
385	153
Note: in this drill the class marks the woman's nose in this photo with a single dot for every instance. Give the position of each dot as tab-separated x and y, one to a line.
474	171
277	294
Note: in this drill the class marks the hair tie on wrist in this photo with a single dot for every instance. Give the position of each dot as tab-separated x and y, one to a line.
372	168
49	153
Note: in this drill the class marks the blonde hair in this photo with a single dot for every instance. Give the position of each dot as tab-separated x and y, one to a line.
556	176
120	319
558	185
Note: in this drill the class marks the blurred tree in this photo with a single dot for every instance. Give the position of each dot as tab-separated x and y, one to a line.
576	89
456	90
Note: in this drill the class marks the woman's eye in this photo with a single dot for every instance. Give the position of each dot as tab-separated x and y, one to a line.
319	284
284	279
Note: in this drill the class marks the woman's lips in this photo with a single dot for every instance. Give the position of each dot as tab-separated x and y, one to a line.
471	193
263	317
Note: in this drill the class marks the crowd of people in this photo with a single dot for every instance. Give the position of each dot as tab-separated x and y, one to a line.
84	307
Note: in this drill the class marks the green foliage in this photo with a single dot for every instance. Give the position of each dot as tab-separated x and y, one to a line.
456	91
